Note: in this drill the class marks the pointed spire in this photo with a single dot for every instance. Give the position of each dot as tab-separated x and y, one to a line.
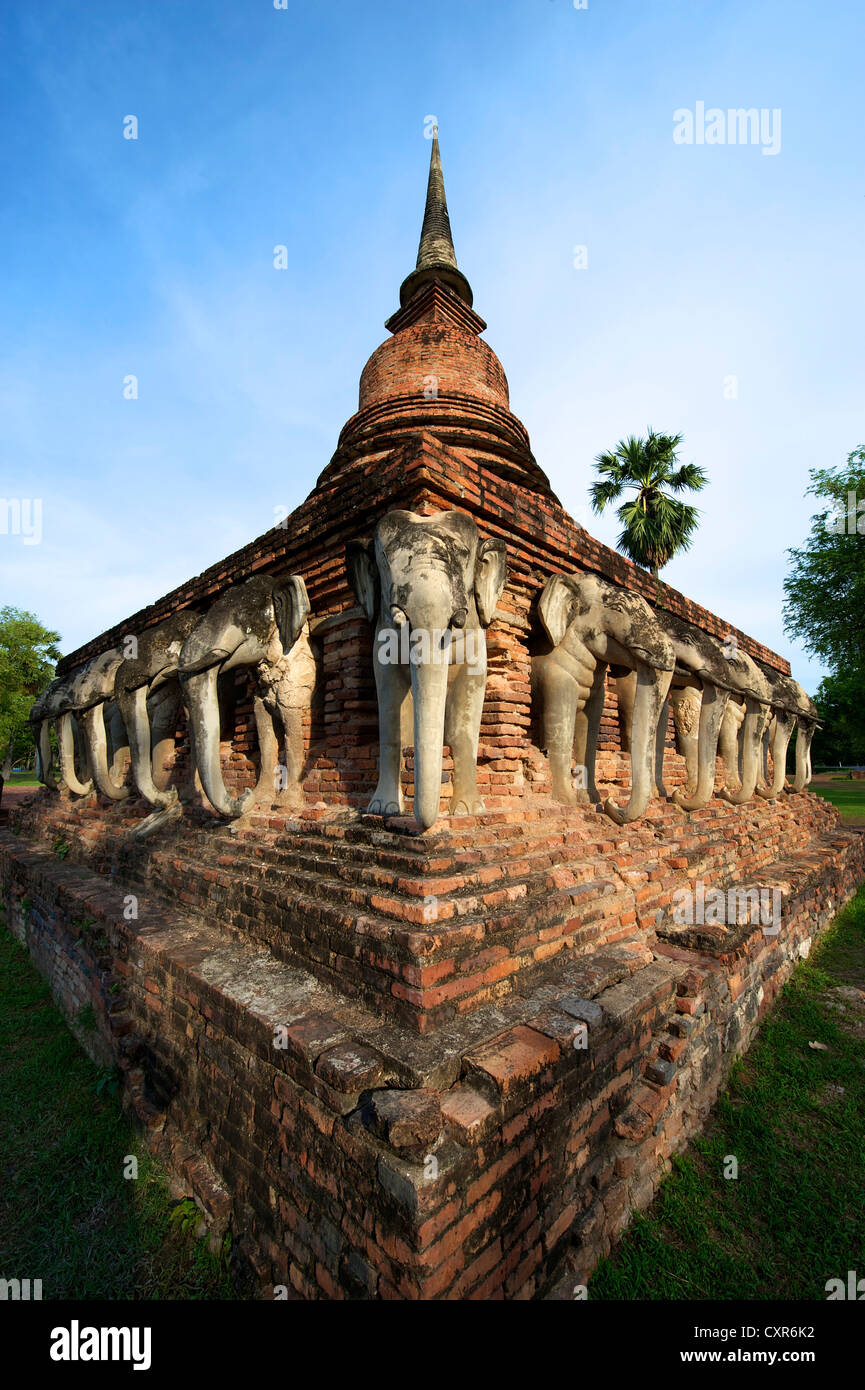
436	258
436	242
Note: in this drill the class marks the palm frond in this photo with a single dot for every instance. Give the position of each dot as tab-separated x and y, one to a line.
655	526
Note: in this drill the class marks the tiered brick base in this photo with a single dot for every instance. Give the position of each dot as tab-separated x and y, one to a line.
416	1067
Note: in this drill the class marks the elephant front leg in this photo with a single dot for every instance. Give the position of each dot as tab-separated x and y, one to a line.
271	773
462	729
392	687
562	695
713	707
290	793
651	698
587	728
686	702
728	743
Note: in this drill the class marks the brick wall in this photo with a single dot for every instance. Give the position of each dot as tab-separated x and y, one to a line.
498	1159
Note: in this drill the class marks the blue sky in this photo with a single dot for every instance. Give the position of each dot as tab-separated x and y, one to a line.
305	127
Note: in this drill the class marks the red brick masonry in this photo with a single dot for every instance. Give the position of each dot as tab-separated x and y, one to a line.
401	1066
351	1155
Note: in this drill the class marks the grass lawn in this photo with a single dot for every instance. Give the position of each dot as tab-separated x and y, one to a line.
794	1118
847	795
67	1214
23	779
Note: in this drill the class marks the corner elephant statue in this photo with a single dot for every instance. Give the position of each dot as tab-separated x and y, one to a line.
259	623
592	624
430	586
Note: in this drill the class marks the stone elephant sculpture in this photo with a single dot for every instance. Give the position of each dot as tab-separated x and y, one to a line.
792	709
730	745
91	699
731	751
592	624
90	731
147	692
806	726
715	687
430	586
259	623
45	713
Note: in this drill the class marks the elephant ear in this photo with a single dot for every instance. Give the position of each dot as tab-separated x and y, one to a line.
491	575
362	569
554	607
291	608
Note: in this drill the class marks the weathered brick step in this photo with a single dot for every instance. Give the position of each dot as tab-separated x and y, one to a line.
361	857
398	854
252	876
639	865
272	864
405	856
316	946
249	905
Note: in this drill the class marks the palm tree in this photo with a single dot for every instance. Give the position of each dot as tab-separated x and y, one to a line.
655	526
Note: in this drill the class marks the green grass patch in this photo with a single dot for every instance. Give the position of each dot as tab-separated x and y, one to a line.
847	795
23	779
794	1118
68	1216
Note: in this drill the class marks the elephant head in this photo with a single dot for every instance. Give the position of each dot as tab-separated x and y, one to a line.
44	710
90	696
698	695
70	697
754	694
430	585
148	695
784	716
591	624
792	708
254	624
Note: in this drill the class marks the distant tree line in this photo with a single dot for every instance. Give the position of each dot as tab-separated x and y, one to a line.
825	607
28	655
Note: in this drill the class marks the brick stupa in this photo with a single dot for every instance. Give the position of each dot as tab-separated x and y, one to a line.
408	1066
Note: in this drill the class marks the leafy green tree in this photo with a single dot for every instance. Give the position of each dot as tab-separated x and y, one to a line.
655	526
825	588
841	739
28	654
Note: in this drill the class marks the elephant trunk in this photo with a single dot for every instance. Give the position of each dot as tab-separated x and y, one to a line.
784	724
44	757
97	751
713	707
650	698
203	704
804	735
133	707
752	739
429	683
67	757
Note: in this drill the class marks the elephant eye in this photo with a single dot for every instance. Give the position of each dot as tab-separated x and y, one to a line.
459	618
398	616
